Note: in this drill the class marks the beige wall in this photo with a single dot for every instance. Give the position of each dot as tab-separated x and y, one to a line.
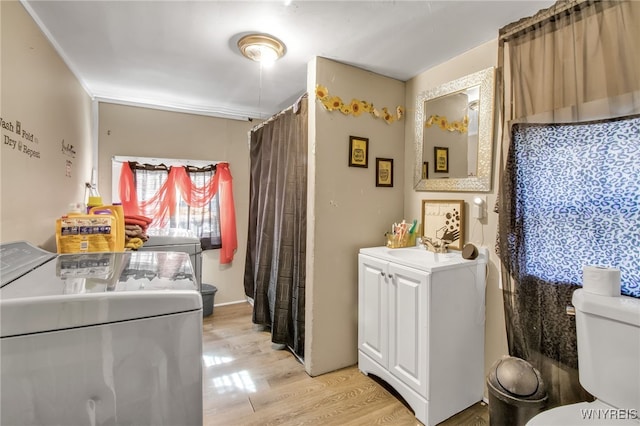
345	210
481	233
39	179
144	132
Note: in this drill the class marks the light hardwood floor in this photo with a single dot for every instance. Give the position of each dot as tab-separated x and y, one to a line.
249	382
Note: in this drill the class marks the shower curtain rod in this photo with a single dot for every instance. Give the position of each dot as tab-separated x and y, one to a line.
295	105
516	29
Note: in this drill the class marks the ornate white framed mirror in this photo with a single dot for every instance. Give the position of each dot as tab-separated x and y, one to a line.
454	135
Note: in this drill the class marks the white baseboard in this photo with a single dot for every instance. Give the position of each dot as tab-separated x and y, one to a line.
248	299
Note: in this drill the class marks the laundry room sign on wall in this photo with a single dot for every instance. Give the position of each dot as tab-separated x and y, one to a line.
16	137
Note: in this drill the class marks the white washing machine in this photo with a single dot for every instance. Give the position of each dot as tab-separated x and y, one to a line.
99	338
173	239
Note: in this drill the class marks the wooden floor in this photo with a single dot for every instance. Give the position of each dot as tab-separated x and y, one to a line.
249	382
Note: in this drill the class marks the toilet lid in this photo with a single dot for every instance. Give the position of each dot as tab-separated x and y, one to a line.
595	413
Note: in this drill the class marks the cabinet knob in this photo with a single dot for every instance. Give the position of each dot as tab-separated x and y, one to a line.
382	273
390	276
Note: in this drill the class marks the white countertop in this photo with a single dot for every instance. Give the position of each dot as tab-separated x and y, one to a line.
422	259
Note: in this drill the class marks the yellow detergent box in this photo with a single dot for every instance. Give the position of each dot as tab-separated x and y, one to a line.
86	233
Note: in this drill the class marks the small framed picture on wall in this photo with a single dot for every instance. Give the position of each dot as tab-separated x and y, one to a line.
384	172
358	151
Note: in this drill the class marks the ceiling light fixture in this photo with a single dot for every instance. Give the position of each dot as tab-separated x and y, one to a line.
261	48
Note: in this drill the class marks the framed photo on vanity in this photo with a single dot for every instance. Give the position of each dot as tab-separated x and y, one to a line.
444	220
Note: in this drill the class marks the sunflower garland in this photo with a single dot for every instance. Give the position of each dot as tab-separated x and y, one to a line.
441	121
356	107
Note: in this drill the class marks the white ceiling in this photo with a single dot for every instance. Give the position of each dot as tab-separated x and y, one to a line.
183	54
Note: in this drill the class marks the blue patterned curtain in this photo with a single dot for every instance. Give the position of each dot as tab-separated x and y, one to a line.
577	197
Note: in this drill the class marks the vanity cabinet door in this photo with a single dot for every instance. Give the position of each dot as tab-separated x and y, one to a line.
373	309
408	326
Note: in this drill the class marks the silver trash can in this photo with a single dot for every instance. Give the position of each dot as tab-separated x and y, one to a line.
516	392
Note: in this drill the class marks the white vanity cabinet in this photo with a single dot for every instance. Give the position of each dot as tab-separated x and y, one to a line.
421	327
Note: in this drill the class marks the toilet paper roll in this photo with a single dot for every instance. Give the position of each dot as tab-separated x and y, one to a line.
601	280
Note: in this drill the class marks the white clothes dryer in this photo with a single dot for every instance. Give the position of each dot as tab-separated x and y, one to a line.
99	338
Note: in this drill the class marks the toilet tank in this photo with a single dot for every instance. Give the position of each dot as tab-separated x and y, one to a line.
608	333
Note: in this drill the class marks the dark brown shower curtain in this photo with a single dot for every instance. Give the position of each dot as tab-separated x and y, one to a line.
275	263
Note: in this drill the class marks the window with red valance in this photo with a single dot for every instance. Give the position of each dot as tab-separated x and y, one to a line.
199	199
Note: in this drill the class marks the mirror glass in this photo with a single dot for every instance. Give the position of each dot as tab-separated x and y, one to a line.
454	135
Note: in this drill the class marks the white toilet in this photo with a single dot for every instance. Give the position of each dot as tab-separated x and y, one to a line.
608	334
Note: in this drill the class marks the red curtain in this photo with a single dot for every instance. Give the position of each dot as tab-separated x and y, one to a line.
191	194
227	213
162	204
128	194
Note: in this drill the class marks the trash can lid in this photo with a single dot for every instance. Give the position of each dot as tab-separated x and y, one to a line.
517	377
